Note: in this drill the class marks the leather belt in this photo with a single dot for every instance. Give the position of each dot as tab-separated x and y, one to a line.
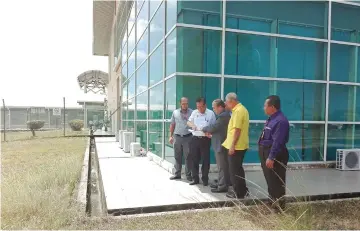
187	135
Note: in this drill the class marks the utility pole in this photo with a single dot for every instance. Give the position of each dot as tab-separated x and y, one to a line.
64	116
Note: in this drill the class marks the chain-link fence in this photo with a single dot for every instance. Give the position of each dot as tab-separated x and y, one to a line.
55	121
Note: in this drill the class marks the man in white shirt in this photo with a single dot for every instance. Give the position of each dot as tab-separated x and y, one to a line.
200	144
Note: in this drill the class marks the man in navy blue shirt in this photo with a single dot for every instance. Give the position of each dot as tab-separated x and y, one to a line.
273	153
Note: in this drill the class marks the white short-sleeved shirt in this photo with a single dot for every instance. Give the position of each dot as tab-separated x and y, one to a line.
202	120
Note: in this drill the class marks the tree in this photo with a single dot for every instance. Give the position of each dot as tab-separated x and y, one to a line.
35	125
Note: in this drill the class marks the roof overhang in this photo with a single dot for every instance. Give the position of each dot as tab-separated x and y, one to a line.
94	81
103	15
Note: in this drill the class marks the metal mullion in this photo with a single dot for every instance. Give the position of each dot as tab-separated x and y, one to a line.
274	79
223	34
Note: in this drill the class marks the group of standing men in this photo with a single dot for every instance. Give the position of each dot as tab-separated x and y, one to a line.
192	132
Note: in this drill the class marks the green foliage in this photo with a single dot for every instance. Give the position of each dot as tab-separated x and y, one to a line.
35	125
76	125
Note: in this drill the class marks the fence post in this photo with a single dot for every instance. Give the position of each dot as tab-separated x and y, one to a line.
4	120
64	115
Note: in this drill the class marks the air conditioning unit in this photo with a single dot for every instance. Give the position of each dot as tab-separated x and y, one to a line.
120	138
348	159
135	149
127	138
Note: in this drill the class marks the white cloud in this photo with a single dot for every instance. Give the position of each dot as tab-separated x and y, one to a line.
46	52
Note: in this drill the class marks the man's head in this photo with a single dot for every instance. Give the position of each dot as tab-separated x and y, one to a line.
231	100
201	105
218	106
272	104
184	103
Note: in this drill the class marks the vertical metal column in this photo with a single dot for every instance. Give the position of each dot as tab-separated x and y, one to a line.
327	81
4	120
223	49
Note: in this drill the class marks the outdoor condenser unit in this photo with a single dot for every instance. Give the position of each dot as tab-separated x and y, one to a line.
348	159
120	138
127	138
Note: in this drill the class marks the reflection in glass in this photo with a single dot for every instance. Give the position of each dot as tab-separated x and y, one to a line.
170	14
156	65
299	101
157	27
131	87
171	53
141	133
156	99
156	137
131	64
142	49
344	63
207	13
344	103
198	51
125	91
309	19
254	55
142	78
171	102
142	20
345	23
154	4
342	136
169	150
142	106
131	109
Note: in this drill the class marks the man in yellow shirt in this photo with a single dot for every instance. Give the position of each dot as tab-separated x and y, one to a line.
237	143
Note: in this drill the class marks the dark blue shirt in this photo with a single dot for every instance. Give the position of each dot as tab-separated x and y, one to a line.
275	134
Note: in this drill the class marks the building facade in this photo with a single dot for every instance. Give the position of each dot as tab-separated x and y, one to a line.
307	52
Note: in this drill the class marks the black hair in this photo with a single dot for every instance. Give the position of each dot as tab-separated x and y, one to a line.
219	103
274	100
201	100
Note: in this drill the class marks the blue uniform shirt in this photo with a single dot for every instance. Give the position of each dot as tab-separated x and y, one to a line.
275	134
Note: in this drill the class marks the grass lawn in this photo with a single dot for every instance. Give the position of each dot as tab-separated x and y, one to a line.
39	177
26	135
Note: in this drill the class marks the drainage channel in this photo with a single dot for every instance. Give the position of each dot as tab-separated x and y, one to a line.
96	203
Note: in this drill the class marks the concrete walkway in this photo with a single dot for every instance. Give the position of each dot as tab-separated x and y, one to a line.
137	182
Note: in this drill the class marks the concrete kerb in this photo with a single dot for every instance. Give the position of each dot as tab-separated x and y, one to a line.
82	186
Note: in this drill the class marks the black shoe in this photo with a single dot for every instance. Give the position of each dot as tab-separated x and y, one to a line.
189	178
219	190
205	183
175	177
194	182
213	185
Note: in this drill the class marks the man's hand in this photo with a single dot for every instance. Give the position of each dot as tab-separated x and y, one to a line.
208	135
232	151
171	140
270	163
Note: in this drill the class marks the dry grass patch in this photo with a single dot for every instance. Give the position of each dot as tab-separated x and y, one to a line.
38	179
27	135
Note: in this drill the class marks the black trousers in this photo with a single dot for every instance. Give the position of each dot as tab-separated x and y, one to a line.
200	151
276	177
237	173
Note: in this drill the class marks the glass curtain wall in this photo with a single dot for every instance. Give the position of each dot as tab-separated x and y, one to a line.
309	57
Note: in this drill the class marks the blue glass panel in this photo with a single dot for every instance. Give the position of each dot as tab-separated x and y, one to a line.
156	65
131	41
142	49
142	20
309	19
171	53
344	103
131	64
207	13
141	133
198	51
154	4
301	59
156	138
142	106
247	55
131	87
156	101
345	23
170	97
157	27
142	78
171	9
342	136
302	101
343	66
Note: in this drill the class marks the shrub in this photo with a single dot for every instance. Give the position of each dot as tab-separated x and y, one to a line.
76	125
35	125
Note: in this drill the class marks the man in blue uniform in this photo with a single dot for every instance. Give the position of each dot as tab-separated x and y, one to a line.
273	153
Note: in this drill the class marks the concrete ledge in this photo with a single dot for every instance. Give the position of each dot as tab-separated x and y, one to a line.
161	162
82	185
231	203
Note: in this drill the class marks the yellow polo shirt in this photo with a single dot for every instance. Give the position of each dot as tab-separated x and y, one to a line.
239	119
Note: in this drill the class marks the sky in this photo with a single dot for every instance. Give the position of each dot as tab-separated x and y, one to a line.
44	46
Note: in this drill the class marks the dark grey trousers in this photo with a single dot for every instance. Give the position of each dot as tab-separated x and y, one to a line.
182	147
237	173
223	168
200	151
276	177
